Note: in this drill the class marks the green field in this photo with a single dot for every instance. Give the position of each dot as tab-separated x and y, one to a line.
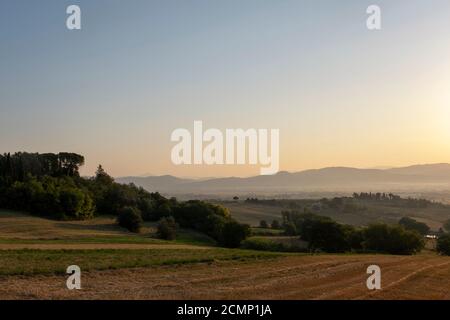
34	262
362	213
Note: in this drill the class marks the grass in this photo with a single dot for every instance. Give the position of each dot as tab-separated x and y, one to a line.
369	212
275	244
22	228
34	262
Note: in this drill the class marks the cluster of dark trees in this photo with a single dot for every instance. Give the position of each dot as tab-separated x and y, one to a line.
443	244
50	185
443	241
411	224
18	166
375	196
406	202
324	234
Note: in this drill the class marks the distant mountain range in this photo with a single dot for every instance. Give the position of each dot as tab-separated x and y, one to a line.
332	178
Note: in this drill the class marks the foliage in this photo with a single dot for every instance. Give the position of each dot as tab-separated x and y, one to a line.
167	228
392	239
329	236
233	233
324	234
130	219
411	224
443	244
50	185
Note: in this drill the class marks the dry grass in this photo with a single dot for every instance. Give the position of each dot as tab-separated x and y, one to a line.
293	277
15	225
146	268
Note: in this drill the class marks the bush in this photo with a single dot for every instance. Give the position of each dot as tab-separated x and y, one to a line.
76	204
392	239
329	236
443	244
167	228
233	233
411	224
130	219
290	229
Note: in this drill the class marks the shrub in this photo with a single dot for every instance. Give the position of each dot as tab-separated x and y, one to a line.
76	204
130	219
263	224
329	236
167	228
411	224
443	244
290	229
392	239
233	233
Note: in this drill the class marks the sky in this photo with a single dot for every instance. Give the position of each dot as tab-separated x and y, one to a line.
115	90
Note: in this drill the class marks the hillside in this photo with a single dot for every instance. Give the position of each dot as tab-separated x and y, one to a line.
412	178
141	267
356	212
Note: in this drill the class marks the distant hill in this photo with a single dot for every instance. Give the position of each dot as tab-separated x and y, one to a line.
151	183
440	170
332	178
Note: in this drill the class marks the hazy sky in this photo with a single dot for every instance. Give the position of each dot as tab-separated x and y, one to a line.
114	91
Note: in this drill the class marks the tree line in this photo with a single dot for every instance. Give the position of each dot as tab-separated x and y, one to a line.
50	185
324	234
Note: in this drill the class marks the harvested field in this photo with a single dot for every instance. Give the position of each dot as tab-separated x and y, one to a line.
292	277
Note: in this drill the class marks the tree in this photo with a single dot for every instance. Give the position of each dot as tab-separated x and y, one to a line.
76	204
167	228
392	239
263	224
233	233
411	224
443	245
102	177
147	206
329	236
235	198
290	229
130	219
70	163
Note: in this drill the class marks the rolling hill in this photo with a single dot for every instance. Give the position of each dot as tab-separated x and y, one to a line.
332	179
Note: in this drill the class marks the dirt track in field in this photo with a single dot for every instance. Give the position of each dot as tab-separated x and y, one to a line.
95	246
300	277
